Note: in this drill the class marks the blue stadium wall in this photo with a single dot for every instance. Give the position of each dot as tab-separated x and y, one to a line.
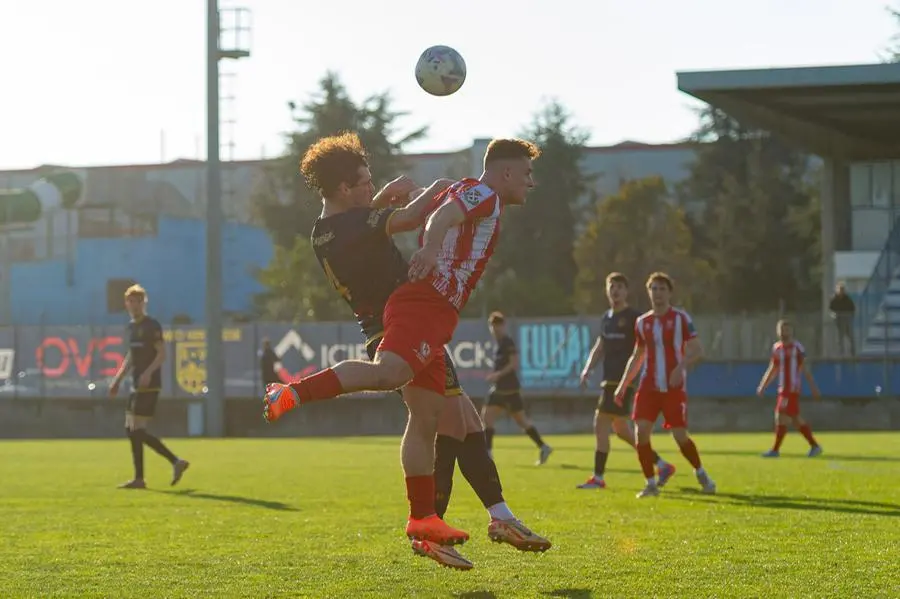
171	265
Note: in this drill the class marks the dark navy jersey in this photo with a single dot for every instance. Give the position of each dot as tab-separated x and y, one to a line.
503	354
143	335
361	261
617	332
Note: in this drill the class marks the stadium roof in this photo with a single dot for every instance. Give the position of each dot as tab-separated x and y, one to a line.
850	112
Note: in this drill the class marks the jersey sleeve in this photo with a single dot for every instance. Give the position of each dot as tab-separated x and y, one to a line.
476	202
774	357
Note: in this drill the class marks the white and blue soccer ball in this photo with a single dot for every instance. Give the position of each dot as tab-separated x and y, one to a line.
441	71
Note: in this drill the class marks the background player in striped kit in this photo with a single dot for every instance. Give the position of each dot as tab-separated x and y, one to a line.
788	361
665	336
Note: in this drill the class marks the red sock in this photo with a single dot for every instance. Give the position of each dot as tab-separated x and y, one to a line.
780	432
645	455
322	385
689	451
420	492
807	434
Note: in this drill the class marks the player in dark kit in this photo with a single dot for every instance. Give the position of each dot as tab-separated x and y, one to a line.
352	241
146	355
506	392
615	344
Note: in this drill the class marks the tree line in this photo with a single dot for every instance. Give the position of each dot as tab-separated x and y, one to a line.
739	233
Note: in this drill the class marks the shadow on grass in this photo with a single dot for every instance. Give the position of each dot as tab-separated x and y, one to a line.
782	502
263	503
802	456
583	467
475	595
570	593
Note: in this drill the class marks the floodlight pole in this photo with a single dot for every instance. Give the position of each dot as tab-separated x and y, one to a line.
215	351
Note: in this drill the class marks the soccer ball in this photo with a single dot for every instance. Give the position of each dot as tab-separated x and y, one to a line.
441	71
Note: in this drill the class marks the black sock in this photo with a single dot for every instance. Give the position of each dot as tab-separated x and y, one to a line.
157	446
137	454
600	462
489	438
480	470
445	452
535	436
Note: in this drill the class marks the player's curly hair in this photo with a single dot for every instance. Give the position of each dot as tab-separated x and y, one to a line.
662	278
333	160
496	318
510	149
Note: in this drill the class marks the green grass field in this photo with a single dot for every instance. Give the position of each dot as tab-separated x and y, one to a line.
324	518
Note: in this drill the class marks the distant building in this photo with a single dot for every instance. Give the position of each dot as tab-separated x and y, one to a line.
145	223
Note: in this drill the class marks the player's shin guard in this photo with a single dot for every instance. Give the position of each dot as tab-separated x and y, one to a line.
645	455
445	451
480	470
420	492
689	451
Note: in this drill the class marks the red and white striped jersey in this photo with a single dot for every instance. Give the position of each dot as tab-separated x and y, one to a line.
468	246
788	358
663	338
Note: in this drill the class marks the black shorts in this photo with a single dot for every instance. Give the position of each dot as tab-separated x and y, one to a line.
142	403
511	400
607	402
451	384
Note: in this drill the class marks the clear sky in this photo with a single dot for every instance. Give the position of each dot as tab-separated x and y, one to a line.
91	82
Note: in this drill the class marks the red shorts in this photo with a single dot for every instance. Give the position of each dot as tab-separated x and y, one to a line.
648	403
788	404
418	322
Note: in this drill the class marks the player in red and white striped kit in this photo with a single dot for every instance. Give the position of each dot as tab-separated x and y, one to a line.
788	362
420	317
665	337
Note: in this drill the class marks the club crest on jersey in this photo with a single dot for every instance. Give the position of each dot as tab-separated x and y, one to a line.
423	352
472	197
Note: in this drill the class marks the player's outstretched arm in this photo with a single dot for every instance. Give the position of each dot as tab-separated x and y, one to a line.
443	219
401	187
412	216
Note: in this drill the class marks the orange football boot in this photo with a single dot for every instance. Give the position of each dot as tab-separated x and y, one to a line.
434	529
